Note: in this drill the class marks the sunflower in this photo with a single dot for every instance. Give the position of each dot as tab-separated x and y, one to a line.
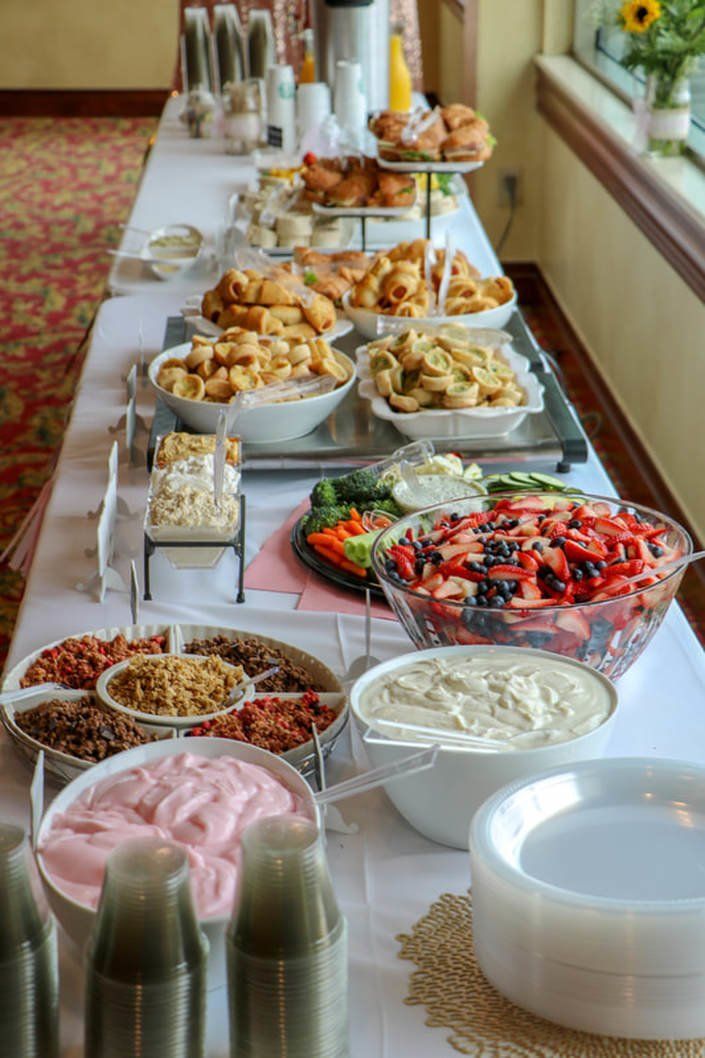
637	15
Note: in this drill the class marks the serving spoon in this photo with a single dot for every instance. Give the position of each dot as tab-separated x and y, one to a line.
232	702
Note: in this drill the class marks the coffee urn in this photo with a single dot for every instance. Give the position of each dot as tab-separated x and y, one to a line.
355	30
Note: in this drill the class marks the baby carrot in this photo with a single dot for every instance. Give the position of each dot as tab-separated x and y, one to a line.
320	538
354	528
355	515
328	553
341	532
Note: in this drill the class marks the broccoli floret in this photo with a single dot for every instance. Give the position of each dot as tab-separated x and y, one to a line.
325	517
362	489
324	494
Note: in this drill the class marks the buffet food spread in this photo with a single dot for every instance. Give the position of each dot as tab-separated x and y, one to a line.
507	599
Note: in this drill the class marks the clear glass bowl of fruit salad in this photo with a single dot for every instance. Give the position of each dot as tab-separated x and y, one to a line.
533	570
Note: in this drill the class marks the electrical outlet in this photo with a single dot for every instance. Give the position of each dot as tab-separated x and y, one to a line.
508	179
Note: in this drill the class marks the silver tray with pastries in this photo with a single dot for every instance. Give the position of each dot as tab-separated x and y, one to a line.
353	437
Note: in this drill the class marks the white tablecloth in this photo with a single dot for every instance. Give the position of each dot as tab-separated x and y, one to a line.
386	875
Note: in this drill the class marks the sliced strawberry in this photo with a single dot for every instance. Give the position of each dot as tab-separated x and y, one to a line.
529	560
451	550
523	503
449	590
585	512
611	527
528	544
529	604
602	510
624	569
555	559
577	552
537	624
432	582
642	551
529	590
574	622
509	573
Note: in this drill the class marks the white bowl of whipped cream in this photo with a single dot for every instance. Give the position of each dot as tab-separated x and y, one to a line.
498	714
201	797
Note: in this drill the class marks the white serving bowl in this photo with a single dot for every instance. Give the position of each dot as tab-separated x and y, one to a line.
172	267
374	324
268	422
76	918
102	690
588	887
441	801
457	422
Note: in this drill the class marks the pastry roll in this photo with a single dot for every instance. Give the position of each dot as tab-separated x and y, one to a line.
298	330
288	314
366	294
400	284
233	316
500	288
212	305
320	313
232	285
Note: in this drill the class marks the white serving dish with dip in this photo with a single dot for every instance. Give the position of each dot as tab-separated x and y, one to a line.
172	250
77	918
588	886
441	801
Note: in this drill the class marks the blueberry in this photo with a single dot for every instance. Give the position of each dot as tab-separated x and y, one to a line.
481	600
557	541
419	566
575	523
455	517
558	585
655	550
417	545
485	584
436	557
512	523
537	546
477	567
497	602
390	565
577	574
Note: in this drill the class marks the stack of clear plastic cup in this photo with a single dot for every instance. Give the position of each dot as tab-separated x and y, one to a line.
29	974
146	961
287	948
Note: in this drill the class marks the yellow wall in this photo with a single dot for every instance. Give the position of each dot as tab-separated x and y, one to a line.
642	323
88	43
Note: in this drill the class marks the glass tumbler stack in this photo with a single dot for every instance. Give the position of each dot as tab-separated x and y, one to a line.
29	976
287	948
147	959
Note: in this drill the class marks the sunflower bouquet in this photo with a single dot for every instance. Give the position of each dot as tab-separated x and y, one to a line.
664	40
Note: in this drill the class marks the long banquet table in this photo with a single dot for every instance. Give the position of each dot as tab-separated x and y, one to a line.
386	874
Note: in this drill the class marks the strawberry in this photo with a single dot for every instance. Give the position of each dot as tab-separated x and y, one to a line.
449	590
577	552
555	559
529	590
624	569
509	573
518	603
529	560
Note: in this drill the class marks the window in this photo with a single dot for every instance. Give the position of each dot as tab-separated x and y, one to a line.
601	50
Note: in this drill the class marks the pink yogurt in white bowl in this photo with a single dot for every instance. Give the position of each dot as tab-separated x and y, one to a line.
202	798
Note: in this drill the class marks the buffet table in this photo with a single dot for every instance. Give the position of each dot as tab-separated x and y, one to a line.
386	874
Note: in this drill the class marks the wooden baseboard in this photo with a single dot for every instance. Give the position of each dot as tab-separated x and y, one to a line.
653	489
83	103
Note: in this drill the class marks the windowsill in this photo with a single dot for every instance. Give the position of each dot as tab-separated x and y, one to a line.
664	196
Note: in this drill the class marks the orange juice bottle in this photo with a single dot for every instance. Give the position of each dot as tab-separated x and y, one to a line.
307	73
399	75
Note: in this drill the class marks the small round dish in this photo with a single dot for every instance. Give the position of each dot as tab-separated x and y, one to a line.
273	423
175	262
589	896
102	691
440	802
372	324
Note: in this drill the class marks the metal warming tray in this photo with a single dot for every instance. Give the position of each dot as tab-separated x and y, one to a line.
353	437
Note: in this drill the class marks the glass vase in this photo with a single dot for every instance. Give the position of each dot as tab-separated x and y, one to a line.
668	115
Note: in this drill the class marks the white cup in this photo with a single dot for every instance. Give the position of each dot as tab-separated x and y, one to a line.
349	101
312	107
281	107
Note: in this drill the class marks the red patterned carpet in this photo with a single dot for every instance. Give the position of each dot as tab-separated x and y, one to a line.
65	184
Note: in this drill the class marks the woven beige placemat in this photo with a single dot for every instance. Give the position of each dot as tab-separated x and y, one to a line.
450	985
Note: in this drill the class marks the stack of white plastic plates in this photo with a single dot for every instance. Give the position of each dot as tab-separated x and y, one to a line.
588	890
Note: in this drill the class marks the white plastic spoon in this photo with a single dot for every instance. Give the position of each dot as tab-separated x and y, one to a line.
369	780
